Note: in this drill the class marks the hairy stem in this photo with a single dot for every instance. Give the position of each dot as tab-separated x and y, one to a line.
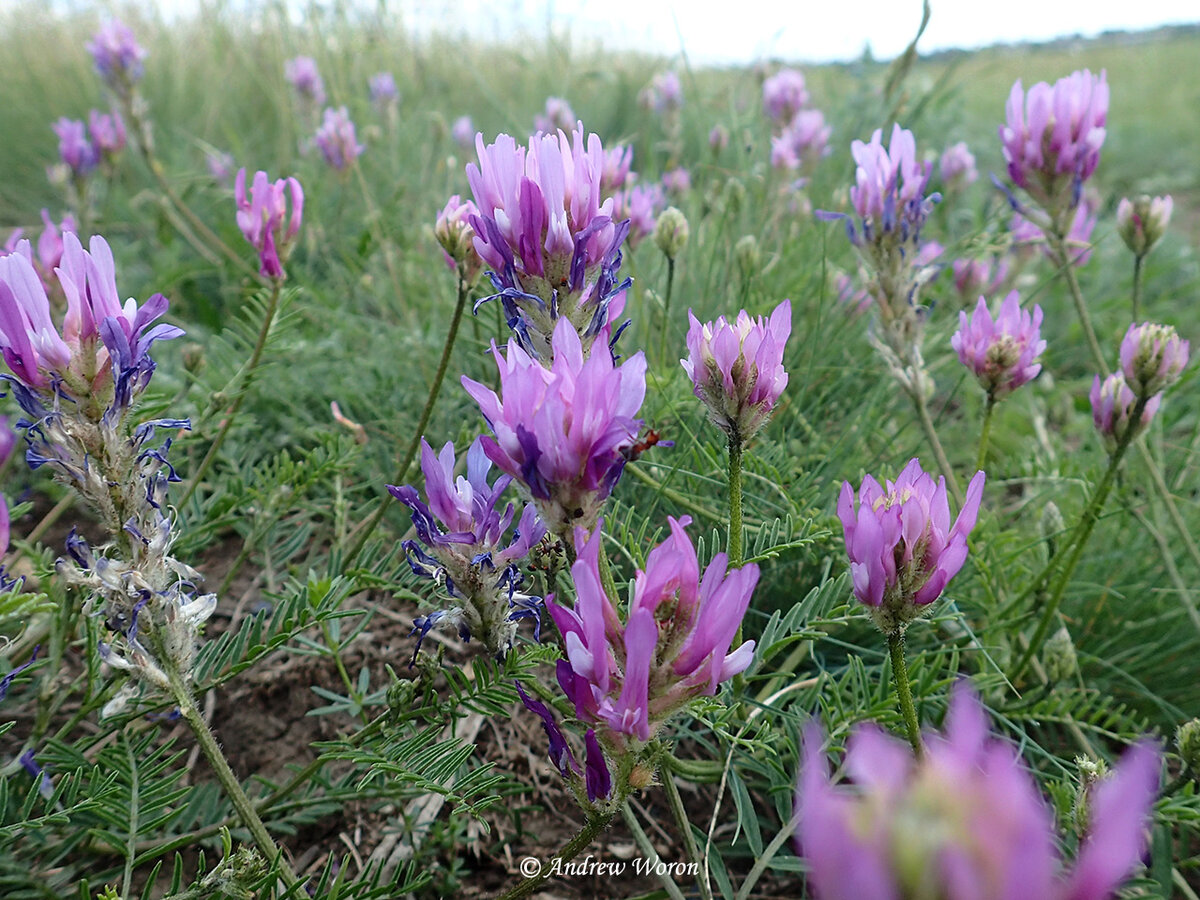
662	338
1059	245
251	364
736	554
595	824
365	529
1138	275
986	431
912	725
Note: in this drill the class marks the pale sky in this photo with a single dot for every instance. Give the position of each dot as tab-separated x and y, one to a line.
744	31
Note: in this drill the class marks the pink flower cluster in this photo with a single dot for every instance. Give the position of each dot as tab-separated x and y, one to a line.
83	146
674	645
117	55
49	247
903	550
563	430
1052	138
966	821
1152	358
337	140
303	75
737	367
262	218
1002	352
784	95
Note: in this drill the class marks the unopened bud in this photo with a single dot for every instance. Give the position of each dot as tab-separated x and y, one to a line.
1187	742
1091	772
1058	657
1152	357
193	357
671	233
641	777
1142	222
748	256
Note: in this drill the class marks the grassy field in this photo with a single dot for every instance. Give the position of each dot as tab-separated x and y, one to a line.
311	638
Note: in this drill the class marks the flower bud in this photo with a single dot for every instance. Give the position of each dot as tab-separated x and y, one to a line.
1152	356
1113	404
735	194
1187	742
454	232
193	357
1143	222
1058	656
671	233
748	256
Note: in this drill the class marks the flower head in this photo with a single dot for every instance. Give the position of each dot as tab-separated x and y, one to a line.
1002	352
302	73
903	549
957	167
1152	357
383	91
454	232
75	147
677	182
463	132
1113	405
107	132
548	234
664	94
563	431
262	218
558	117
617	161
1143	222
337	140
737	367
966	821
1053	136
978	275
464	545
639	204
117	56
784	95
802	142
674	645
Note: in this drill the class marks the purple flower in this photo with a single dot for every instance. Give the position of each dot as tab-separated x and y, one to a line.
1112	409
784	95
677	181
856	298
664	94
737	367
1053	136
615	173
463	545
890	184
674	645
641	205
463	132
981	275
1027	235
454	232
261	218
107	133
558	117
560	750
337	140
75	147
966	821
49	247
8	442
903	549
1143	222
957	167
102	353
599	779
563	430
220	165
1002	352
1152	358
548	234
718	139
301	72
802	142
383	91
117	56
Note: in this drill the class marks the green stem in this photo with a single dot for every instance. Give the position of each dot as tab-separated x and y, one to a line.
365	530
252	364
768	854
595	824
649	854
1079	538
685	828
662	339
918	399
735	501
1059	245
233	788
912	725
1137	287
133	807
986	431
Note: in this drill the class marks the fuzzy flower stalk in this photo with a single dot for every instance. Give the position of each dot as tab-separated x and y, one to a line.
1142	223
903	552
463	545
564	431
547	232
968	820
627	674
1003	353
265	221
77	386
